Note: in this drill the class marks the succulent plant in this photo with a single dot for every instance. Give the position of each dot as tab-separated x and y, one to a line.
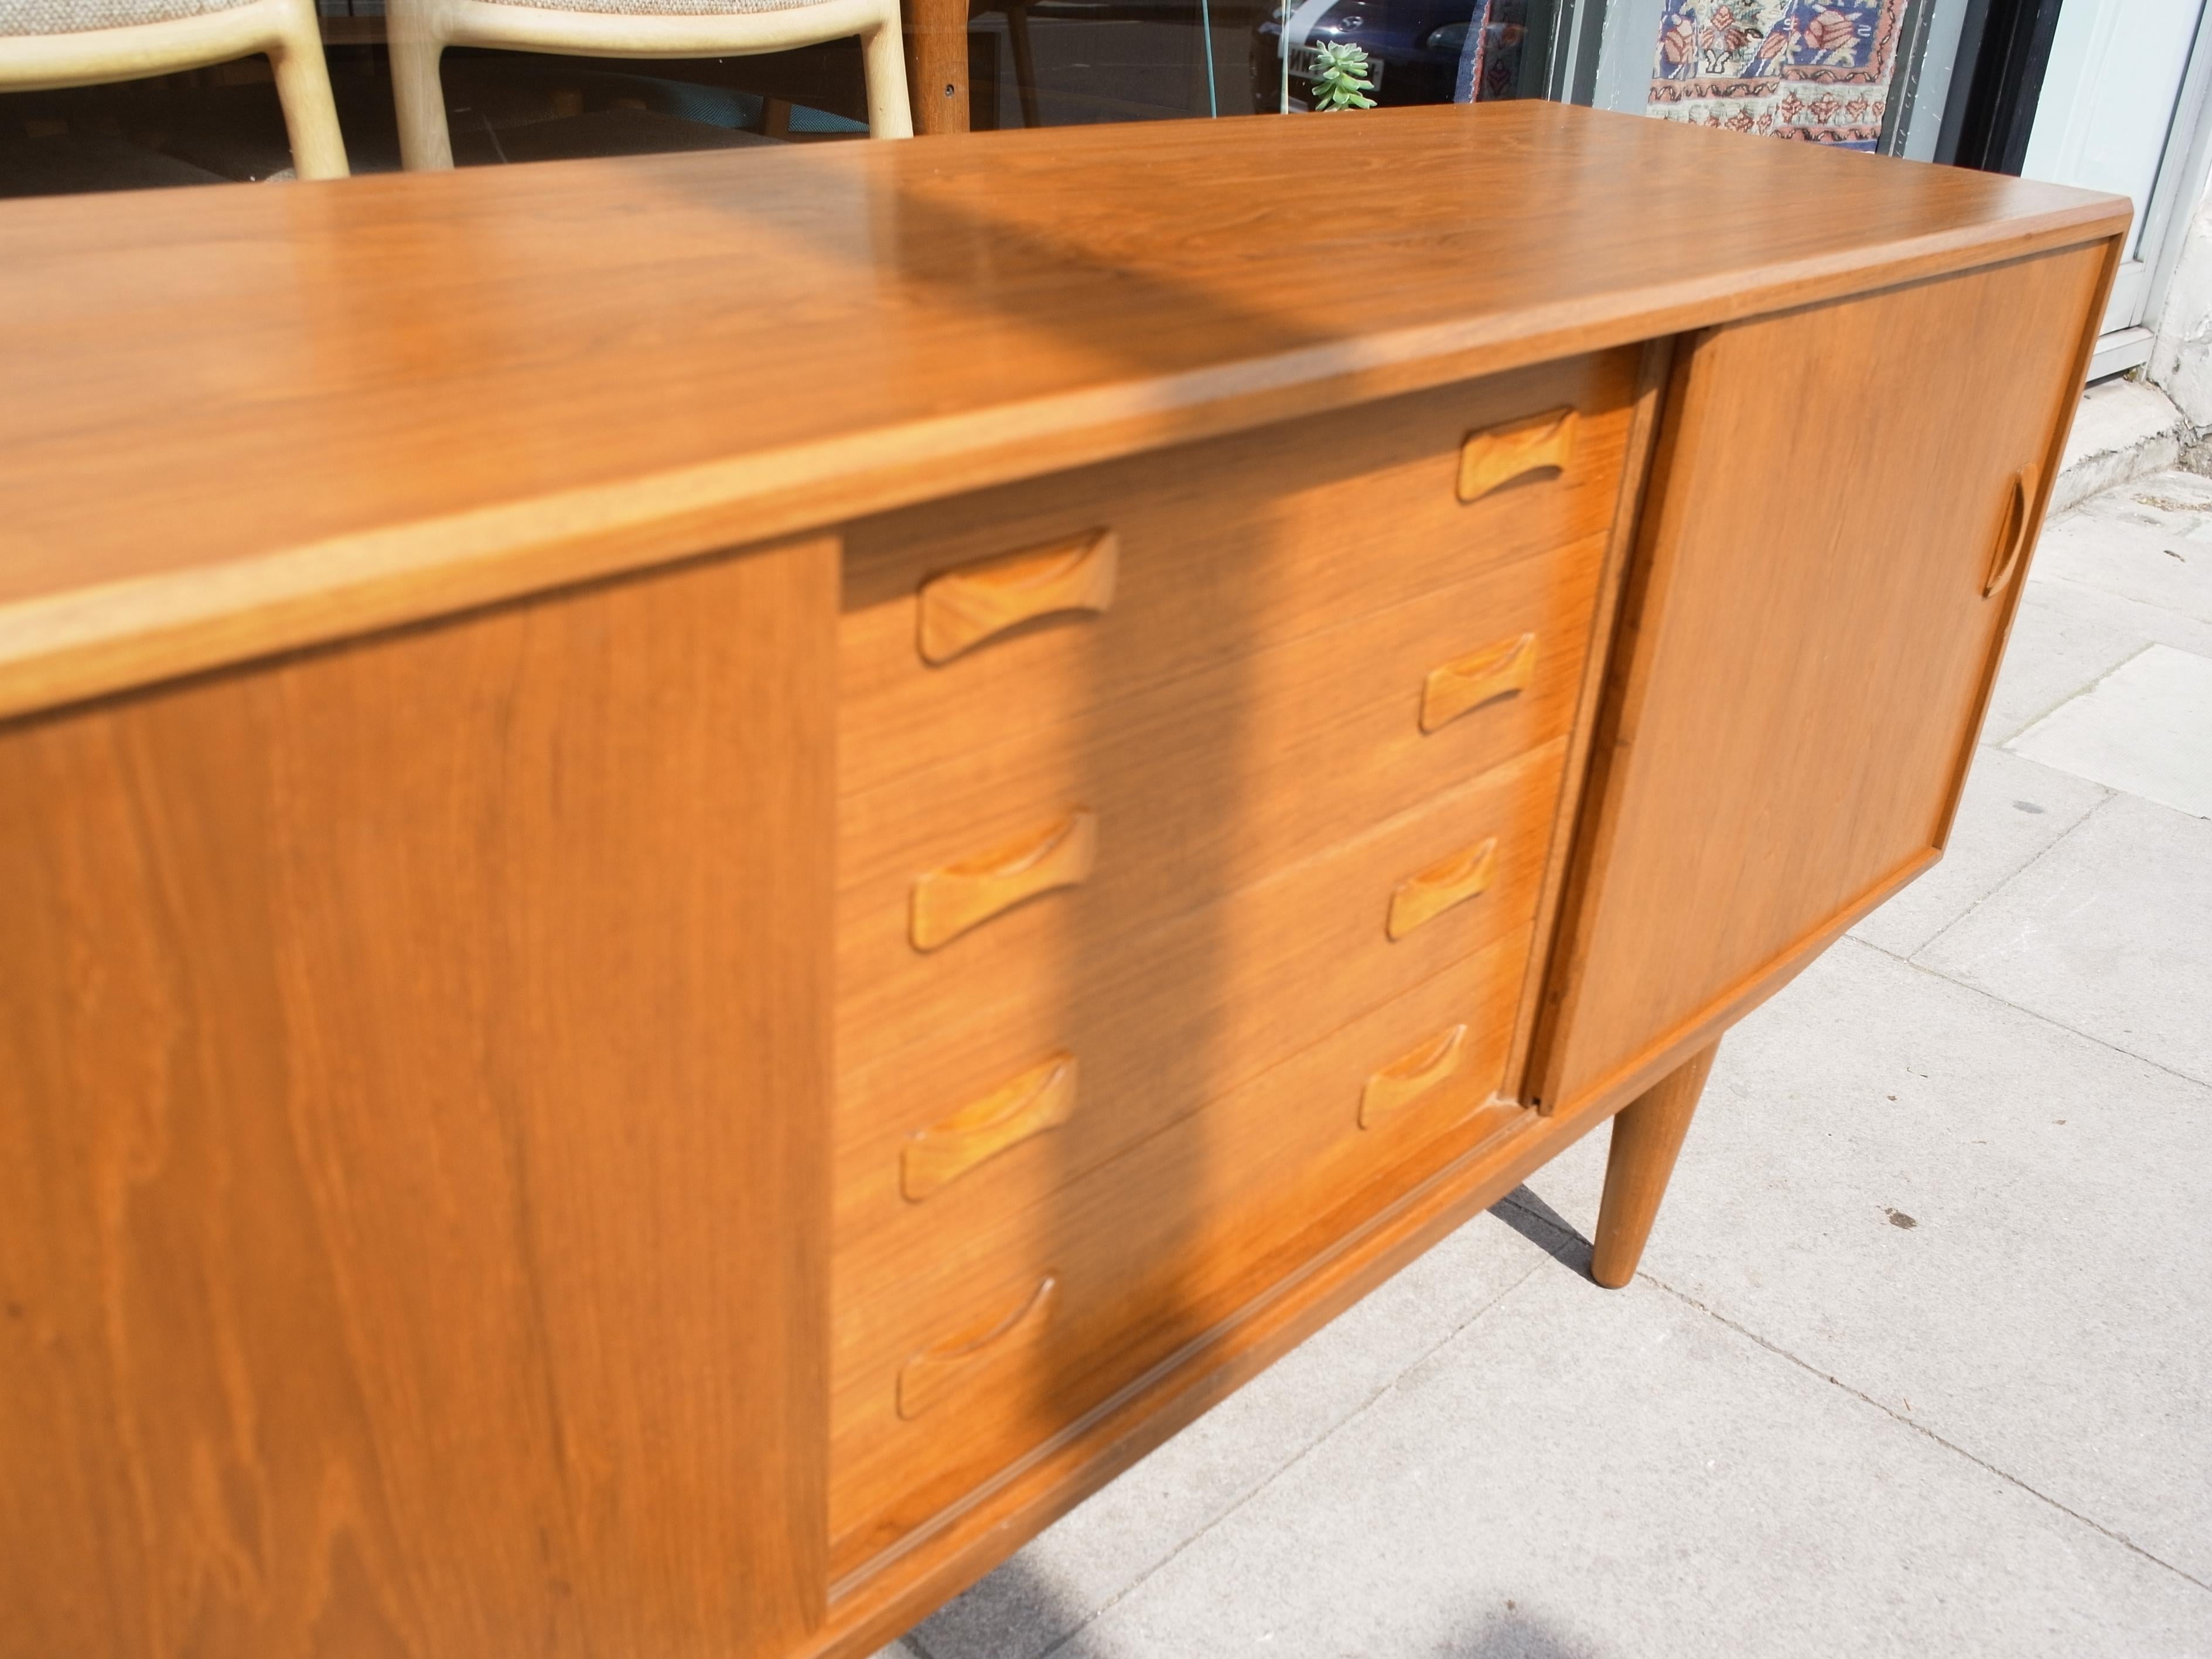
1340	78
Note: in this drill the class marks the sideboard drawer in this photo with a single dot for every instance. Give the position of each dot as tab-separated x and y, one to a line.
1141	572
958	879
1194	813
1157	1023
977	1333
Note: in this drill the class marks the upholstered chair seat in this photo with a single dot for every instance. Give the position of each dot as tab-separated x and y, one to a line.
71	17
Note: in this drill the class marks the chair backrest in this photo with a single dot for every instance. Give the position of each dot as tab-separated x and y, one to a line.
20	17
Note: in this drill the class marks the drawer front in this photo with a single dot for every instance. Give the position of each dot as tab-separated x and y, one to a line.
1153	1025
1194	816
1045	602
973	881
958	1351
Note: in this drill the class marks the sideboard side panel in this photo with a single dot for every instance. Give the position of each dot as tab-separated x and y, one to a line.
413	1185
1806	648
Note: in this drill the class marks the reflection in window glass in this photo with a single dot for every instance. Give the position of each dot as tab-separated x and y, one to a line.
1417	52
1030	62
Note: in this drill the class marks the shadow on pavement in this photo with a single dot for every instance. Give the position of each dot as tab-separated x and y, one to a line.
1515	1635
1546	1229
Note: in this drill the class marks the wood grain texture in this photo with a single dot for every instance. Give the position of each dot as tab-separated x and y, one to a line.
421	1175
1272	622
1480	676
1042	1435
972	1354
1164	1020
1653	369
1647	1138
1453	880
958	609
937	63
1491	459
1857	614
407	1246
1150	1250
949	900
1201	789
1041	1098
1343	1253
490	412
1412	1075
1257	543
2012	537
1281	598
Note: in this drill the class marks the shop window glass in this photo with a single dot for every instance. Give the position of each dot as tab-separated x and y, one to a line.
1029	62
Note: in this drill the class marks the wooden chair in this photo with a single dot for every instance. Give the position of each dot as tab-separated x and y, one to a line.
419	30
45	44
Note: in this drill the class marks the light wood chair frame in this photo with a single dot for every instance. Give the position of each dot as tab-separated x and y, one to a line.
285	30
419	30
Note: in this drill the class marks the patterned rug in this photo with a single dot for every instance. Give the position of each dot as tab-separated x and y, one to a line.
1815	69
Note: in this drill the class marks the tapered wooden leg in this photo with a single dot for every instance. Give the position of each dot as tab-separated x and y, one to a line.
1647	1134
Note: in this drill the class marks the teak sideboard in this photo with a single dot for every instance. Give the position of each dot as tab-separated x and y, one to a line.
718	872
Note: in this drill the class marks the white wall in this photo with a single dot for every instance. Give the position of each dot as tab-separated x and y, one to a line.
2182	348
2181	361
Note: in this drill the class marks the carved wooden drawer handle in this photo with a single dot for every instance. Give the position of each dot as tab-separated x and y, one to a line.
1407	1078
964	607
1041	1098
2012	539
1468	682
947	902
1491	459
1433	891
926	1378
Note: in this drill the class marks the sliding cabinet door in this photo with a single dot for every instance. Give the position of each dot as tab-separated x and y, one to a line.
1844	500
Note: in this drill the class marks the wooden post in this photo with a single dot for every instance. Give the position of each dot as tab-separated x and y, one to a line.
937	63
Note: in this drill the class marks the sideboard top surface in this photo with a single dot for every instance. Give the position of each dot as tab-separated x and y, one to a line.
240	420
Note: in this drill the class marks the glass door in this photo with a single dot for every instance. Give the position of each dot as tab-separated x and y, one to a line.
2122	109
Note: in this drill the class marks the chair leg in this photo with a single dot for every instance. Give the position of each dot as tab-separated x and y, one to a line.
1018	35
884	62
1647	1134
303	89
419	96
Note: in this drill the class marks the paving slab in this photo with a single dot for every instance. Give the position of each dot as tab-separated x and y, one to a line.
2066	637
2146	728
2109	932
1096	1552
1987	1225
2137	542
1621	1473
2012	811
